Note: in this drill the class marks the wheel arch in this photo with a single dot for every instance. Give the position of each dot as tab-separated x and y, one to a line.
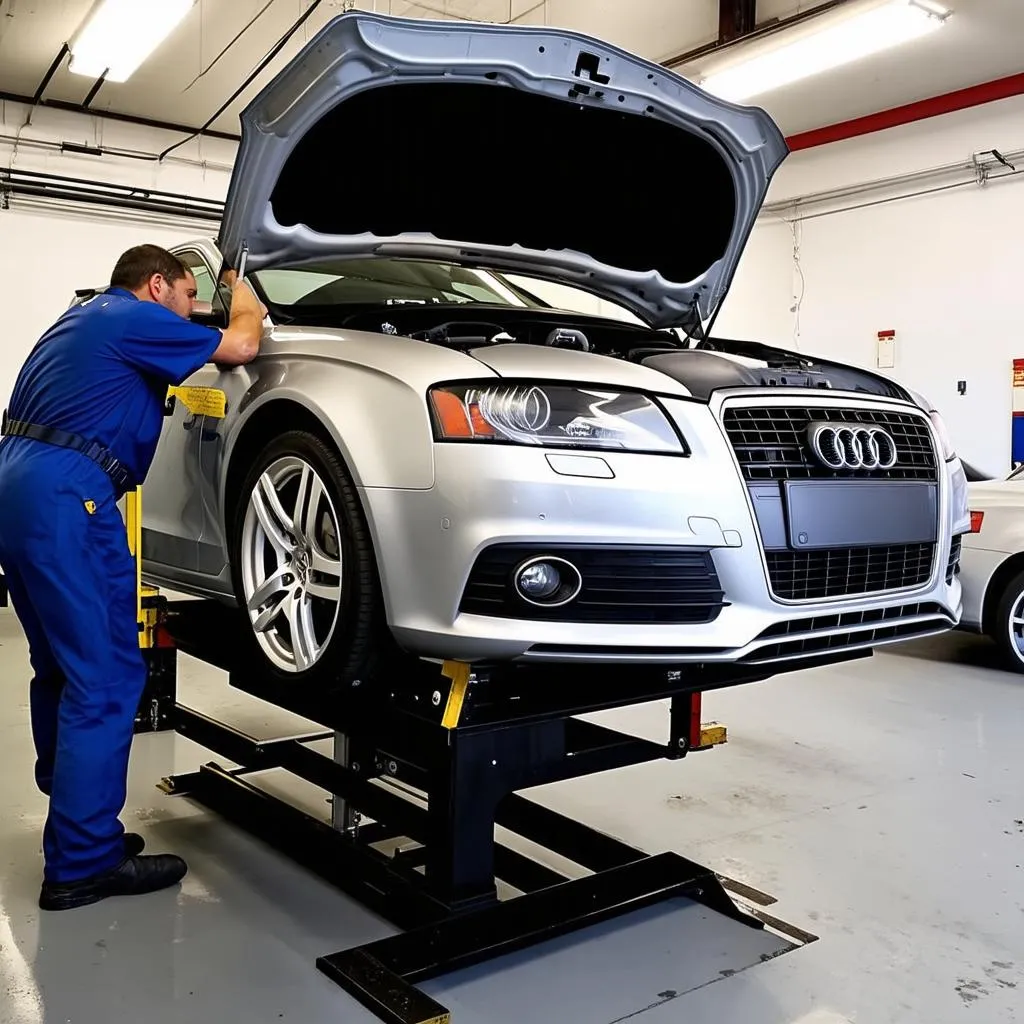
1005	572
267	421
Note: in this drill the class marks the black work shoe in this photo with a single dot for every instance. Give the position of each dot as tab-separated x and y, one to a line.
134	876
134	844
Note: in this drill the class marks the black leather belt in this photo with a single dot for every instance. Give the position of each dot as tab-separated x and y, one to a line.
98	453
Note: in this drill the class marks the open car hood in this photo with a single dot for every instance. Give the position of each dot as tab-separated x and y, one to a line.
534	150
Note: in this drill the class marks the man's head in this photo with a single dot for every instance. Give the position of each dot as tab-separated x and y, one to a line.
155	275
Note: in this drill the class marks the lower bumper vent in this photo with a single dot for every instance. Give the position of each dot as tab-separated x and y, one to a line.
884	624
631	585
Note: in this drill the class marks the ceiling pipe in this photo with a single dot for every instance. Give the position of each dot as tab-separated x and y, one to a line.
980	170
97	193
21	142
935	106
113	115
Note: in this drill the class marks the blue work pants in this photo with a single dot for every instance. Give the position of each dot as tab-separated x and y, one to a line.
72	583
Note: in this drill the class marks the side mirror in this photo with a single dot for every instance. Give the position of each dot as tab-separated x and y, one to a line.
205	314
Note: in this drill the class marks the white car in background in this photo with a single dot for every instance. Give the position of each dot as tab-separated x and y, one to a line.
992	564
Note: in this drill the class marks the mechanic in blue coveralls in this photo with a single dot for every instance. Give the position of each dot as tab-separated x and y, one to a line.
80	431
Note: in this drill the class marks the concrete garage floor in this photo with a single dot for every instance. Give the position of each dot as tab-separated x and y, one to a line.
881	802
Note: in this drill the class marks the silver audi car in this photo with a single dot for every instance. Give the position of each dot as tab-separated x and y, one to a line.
491	420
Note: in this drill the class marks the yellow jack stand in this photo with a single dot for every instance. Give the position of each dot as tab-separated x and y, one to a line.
158	699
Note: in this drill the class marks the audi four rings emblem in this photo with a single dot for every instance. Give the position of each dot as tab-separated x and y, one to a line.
856	446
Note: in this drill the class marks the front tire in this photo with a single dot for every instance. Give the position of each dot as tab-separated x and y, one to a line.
1008	624
304	570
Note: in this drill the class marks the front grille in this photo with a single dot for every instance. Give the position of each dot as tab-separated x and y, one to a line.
845	572
885	630
953	565
771	443
629	585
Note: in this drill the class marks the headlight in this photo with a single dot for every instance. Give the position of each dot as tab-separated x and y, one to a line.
948	451
963	517
553	415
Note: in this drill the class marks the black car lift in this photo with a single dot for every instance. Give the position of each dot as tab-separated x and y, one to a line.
420	775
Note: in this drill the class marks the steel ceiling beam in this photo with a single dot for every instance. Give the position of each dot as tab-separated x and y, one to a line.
96	86
762	31
736	18
50	72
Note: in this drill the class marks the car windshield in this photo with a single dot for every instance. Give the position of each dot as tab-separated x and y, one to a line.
389	282
316	291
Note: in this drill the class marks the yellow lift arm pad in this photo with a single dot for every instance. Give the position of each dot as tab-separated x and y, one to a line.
210	402
458	673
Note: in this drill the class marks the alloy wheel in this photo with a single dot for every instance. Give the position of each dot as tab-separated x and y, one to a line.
1015	626
291	564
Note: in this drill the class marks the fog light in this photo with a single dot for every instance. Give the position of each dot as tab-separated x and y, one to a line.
548	582
540	580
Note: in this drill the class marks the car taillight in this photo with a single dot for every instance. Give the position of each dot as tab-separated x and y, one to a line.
976	520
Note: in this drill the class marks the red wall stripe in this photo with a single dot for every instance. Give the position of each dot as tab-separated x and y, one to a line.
973	96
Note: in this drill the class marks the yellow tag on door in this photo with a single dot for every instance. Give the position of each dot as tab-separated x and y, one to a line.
210	402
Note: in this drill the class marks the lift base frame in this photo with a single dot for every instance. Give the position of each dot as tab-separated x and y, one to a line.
420	776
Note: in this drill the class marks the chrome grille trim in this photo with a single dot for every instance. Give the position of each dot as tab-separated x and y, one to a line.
921	462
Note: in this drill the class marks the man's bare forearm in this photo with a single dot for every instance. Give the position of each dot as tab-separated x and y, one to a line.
240	341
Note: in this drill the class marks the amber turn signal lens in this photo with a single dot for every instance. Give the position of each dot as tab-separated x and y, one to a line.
454	420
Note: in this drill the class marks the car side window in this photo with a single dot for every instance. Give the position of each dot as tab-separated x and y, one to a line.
206	286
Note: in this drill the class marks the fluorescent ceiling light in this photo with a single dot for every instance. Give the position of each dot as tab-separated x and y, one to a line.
842	42
118	35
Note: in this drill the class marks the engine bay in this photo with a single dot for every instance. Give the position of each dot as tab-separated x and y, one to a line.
477	325
703	366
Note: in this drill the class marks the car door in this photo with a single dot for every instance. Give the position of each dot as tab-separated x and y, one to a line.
205	454
173	514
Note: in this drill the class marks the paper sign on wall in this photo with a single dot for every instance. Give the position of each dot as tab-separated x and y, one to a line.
1017	424
885	354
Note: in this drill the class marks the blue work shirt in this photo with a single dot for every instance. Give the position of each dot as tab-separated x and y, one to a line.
102	371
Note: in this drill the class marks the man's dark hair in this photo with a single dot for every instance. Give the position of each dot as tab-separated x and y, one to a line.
136	266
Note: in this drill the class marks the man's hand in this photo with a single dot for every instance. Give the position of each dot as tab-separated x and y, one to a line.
241	339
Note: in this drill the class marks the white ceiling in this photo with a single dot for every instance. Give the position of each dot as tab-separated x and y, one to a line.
981	42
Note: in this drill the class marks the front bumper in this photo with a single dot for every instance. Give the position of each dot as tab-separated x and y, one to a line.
977	568
427	542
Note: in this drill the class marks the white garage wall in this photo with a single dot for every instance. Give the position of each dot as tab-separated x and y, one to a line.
943	271
757	307
46	253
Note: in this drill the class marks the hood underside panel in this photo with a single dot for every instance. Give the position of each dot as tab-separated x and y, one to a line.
493	166
532	150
